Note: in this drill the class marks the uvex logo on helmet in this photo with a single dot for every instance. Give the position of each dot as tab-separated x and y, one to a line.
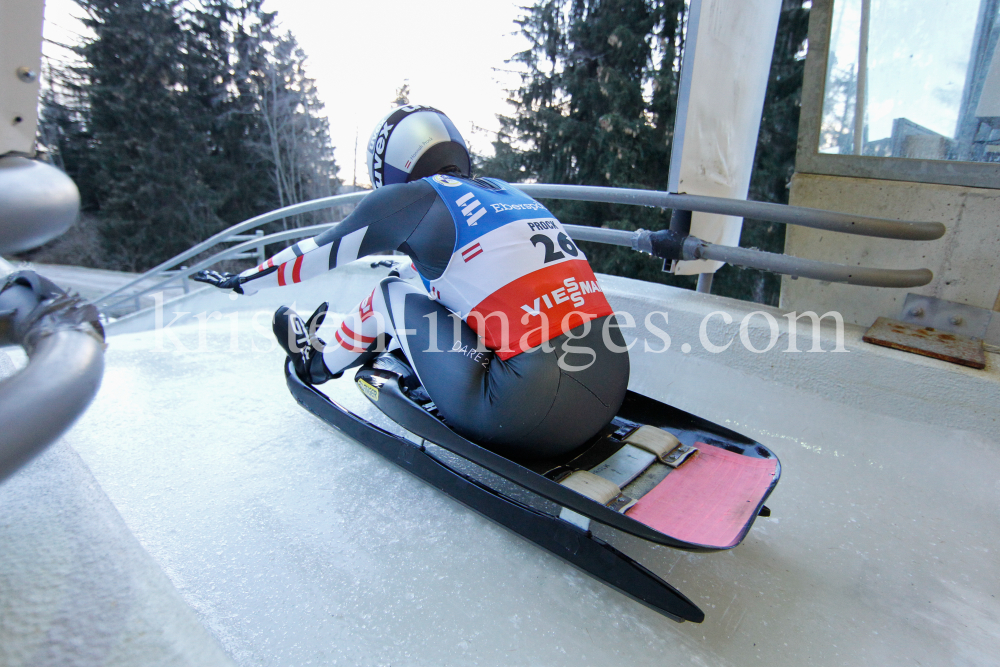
378	151
380	140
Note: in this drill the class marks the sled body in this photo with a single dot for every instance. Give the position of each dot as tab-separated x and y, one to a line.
655	472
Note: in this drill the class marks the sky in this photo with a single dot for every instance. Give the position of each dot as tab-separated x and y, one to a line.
451	53
453	56
917	59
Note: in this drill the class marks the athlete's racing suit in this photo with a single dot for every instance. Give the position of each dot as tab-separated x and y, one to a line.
535	365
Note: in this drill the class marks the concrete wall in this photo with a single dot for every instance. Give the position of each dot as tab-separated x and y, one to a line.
965	262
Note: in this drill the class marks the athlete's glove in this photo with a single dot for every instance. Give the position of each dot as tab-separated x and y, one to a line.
221	280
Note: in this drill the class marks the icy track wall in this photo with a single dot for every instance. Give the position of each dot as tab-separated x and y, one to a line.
291	543
704	332
76	587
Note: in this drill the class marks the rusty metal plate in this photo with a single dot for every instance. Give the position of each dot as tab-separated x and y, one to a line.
927	341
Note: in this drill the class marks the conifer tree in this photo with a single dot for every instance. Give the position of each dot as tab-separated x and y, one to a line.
184	118
596	106
145	147
298	139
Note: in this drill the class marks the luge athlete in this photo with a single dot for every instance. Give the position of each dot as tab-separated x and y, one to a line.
510	334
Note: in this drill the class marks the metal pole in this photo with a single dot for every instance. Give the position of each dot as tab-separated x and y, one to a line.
260	249
680	222
705	282
861	94
807	268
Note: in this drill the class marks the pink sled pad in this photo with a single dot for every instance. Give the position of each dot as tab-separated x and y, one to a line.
709	499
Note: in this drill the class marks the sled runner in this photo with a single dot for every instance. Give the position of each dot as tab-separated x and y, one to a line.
655	472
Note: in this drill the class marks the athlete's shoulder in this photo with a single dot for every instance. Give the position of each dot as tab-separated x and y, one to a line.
417	187
396	202
397	195
442	182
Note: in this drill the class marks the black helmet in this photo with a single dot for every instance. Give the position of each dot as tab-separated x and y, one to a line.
414	142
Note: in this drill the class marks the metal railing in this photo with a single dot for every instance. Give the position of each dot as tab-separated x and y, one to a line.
256	253
163	273
673	244
690	247
65	345
229	253
756	210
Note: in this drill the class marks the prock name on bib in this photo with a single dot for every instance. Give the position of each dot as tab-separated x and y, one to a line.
515	276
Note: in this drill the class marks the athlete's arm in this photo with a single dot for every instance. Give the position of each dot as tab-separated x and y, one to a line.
381	223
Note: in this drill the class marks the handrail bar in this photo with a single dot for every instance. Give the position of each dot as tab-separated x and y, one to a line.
278	214
806	217
799	267
695	248
758	210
